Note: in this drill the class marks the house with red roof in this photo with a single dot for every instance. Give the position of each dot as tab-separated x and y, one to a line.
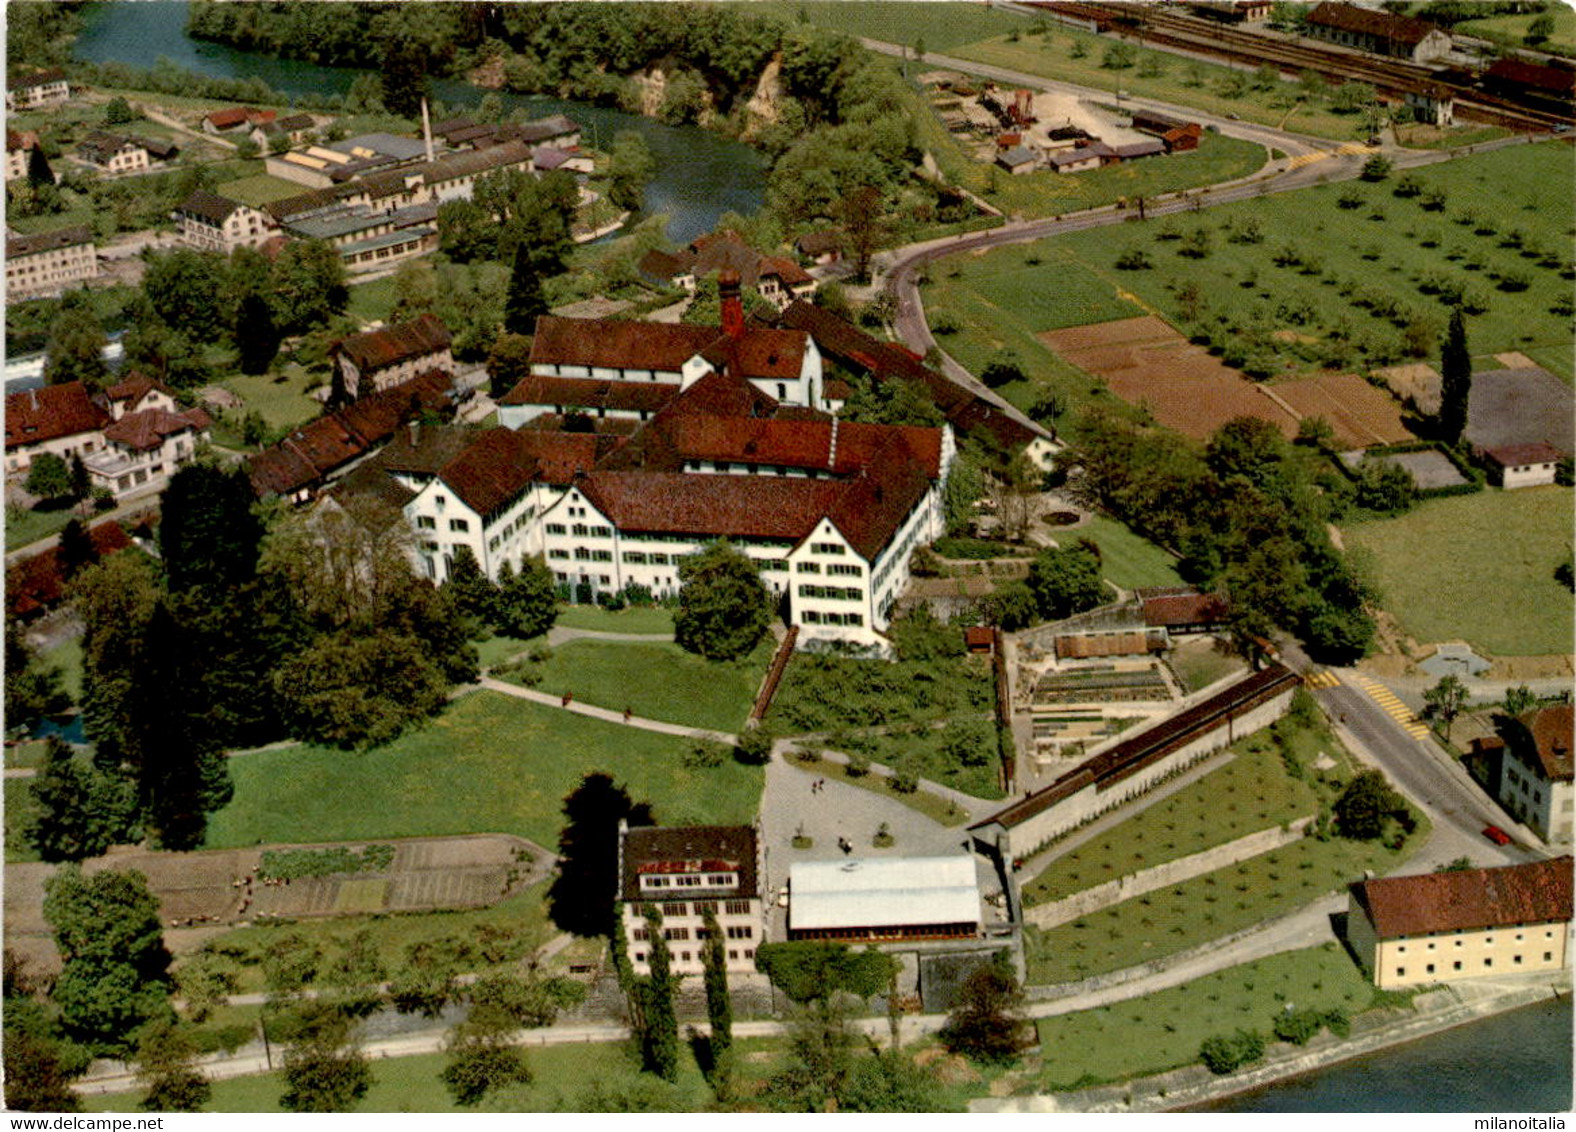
381	359
1382	33
1522	465
613	368
1448	926
63	420
779	280
236	119
148	438
1535	771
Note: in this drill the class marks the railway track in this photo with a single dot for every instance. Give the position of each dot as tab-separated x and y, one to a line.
1162	27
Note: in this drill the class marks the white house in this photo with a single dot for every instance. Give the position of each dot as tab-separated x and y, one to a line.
1523	465
149	437
62	420
35	90
113	153
688	873
50	261
1535	773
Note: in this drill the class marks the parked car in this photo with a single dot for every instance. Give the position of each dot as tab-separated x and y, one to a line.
1496	835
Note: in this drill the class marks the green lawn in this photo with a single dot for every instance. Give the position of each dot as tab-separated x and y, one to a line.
67	656
1193	913
937	27
523	916
499	648
1164	1030
373	300
24	527
1511	30
490	763
1200	663
281	397
650	620
1448	569
28	754
1253	792
259	189
658	681
1128	559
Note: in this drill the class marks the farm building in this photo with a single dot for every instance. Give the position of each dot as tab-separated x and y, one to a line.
1522	465
906	898
1018	159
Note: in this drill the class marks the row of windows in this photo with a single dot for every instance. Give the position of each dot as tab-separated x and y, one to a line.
685	956
812	617
1400	972
832	593
1488	941
806	567
846	570
585	531
706	907
585	554
826	548
690	880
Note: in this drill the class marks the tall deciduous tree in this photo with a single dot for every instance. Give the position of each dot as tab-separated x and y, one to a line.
630	169
1455	385
986	1023
1446	700
1066	581
166	1067
75	348
308	286
527	603
114	976
862	213
189	292
32	688
581	897
508	363
473	594
48	477
80	811
324	1069
1365	806
724	608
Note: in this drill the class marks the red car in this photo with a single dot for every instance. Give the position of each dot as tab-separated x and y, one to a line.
1496	835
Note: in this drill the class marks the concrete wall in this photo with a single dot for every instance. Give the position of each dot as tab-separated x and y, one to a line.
1172	872
1089	803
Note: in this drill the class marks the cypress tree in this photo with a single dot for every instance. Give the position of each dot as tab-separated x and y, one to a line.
660	1039
525	300
1455	388
719	1004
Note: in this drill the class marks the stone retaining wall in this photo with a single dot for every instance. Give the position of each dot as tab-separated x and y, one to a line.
1160	876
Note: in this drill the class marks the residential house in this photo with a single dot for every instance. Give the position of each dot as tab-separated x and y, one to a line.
863	900
329	448
50	262
1522	465
213	223
821	247
778	280
113	153
293	130
1431	105
1535	772
62	420
21	152
380	359
236	120
142	449
36	585
36	89
483	499
688	873
1447	926
159	149
1379	32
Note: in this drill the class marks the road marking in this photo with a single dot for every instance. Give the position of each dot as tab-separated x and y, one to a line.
1306	159
1322	678
1391	704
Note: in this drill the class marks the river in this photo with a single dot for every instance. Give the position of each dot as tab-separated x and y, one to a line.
699	174
1514	1062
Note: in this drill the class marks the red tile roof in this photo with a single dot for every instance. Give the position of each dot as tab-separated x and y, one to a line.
1186	607
36	584
560	456
1551	730
1555	80
50	413
1534	893
690	849
618	344
759	353
1520	455
723	395
1366	21
319	448
588	393
492	470
134	388
148	429
377	349
794	444
224	119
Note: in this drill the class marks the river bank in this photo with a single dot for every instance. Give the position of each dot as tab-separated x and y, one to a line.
1194	1088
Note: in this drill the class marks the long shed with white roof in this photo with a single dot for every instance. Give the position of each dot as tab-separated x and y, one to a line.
884	899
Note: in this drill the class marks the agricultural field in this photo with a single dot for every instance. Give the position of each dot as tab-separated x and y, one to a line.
1436	563
1164	1030
933	27
1348	291
489	763
1512	30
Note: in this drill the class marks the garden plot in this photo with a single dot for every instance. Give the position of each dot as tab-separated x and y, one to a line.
1429	470
1147	363
1359	414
